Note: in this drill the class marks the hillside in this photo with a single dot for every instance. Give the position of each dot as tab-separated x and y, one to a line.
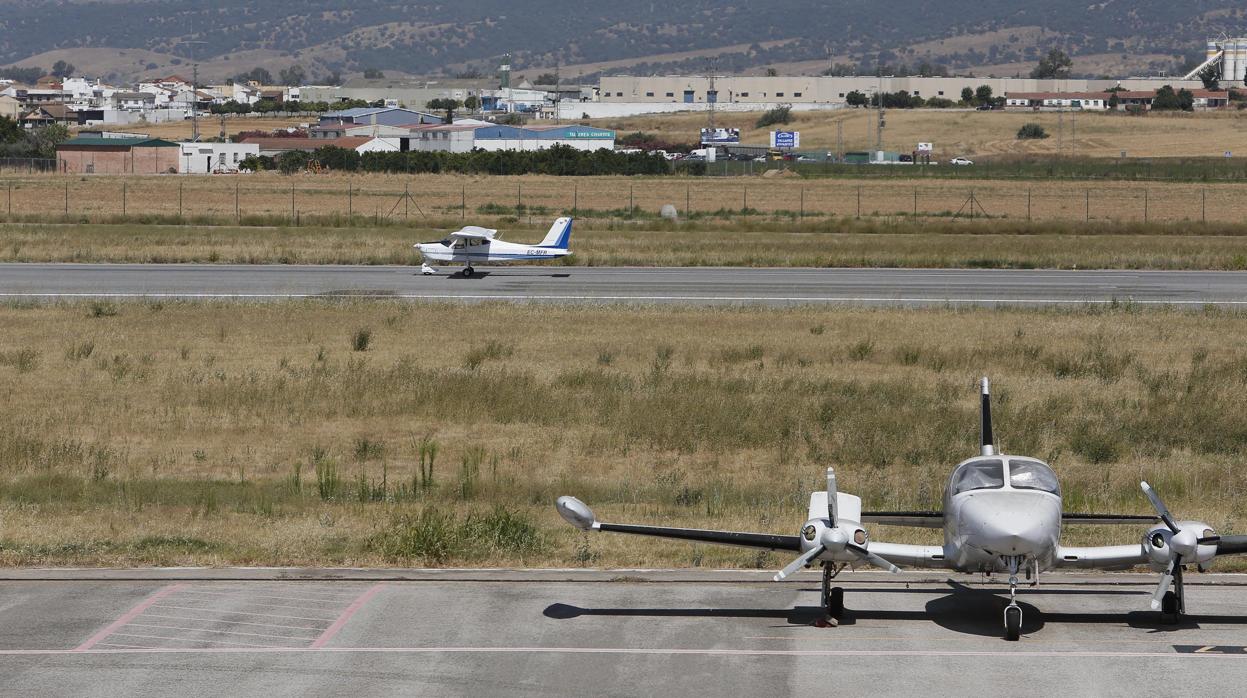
423	37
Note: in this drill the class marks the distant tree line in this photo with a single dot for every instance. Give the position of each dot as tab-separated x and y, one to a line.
559	160
265	106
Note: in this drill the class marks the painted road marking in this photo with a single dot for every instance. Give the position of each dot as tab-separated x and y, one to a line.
638	298
346	615
711	652
128	616
213	616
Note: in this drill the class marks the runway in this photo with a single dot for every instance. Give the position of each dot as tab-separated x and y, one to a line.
574	632
695	285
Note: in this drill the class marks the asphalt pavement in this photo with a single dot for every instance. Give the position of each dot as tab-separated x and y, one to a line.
610	633
696	285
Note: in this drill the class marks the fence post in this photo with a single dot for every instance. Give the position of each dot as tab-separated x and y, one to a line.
688	199
1028	204
10	199
1203	205
179	200
350	201
631	202
406	198
237	203
1088	205
744	201
859	201
575	198
67	199
519	198
123	199
463	202
292	210
1145	217
802	202
915	202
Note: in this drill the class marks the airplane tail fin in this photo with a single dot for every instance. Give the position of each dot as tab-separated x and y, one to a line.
560	234
987	440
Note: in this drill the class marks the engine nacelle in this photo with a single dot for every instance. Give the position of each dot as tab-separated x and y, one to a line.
1161	544
834	538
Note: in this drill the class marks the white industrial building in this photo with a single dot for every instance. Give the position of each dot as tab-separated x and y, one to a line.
1230	55
467	135
212	158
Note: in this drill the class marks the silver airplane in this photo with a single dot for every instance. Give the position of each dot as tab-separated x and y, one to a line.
1002	514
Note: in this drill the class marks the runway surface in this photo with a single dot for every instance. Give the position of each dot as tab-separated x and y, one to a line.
447	632
913	287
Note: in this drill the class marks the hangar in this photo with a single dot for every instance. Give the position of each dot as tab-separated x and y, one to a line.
96	154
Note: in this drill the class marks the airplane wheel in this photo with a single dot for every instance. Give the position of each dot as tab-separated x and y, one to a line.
1169	608
468	271
1013	623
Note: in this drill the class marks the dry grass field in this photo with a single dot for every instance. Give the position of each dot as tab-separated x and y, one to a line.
977	134
900	242
294	434
226	199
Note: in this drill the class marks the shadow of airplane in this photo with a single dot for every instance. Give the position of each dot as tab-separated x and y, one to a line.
964	610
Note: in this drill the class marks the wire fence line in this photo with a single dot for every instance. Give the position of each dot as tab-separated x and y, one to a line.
390	199
26	165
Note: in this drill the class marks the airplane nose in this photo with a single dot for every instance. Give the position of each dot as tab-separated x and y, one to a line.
1007	523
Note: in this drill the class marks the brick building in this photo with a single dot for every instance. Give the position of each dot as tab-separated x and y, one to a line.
116	155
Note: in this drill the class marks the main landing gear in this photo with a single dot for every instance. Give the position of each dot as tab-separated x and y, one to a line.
427	270
832	598
468	271
1013	612
1173	603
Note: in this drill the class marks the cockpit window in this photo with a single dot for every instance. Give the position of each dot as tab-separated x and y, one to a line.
1032	475
980	475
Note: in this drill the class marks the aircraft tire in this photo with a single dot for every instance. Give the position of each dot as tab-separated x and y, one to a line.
1013	623
1169	608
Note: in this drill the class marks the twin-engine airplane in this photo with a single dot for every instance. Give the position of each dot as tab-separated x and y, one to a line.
474	244
1001	514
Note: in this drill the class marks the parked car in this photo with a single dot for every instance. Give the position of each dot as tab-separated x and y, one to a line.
961	161
983	107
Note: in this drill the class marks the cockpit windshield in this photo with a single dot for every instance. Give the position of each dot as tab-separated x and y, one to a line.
980	475
1025	474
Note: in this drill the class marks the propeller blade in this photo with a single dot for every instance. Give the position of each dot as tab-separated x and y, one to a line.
1165	580
873	558
831	496
1160	507
797	564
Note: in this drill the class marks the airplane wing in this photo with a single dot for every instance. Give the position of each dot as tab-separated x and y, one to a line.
901	555
935	519
765	541
473	232
1120	557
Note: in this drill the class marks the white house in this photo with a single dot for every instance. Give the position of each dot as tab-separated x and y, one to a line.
214	158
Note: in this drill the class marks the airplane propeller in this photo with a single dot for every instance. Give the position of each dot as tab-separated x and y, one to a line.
1184	543
834	538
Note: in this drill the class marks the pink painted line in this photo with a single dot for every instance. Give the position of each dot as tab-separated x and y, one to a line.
346	615
127	617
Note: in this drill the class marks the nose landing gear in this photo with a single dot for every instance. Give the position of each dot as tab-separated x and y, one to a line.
1013	612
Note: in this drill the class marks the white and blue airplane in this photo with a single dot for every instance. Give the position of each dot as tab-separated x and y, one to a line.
473	244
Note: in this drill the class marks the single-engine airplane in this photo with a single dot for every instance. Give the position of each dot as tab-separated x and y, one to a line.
473	244
1002	514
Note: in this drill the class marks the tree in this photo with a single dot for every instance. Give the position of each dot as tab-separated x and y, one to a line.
547	79
293	76
373	74
61	69
47	138
472	103
855	99
771	73
1211	77
259	75
293	161
445	104
23	75
1055	65
1168	100
10	132
967	95
983	95
1114	101
778	115
1031	131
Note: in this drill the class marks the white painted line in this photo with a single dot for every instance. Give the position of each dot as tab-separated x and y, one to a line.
556	297
249	595
129	616
248	602
710	652
183	639
216	632
240	613
232	622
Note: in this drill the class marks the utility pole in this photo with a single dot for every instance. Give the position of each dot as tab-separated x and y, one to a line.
879	125
711	97
195	103
558	91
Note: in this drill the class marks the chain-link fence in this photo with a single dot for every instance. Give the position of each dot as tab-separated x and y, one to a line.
26	165
362	200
